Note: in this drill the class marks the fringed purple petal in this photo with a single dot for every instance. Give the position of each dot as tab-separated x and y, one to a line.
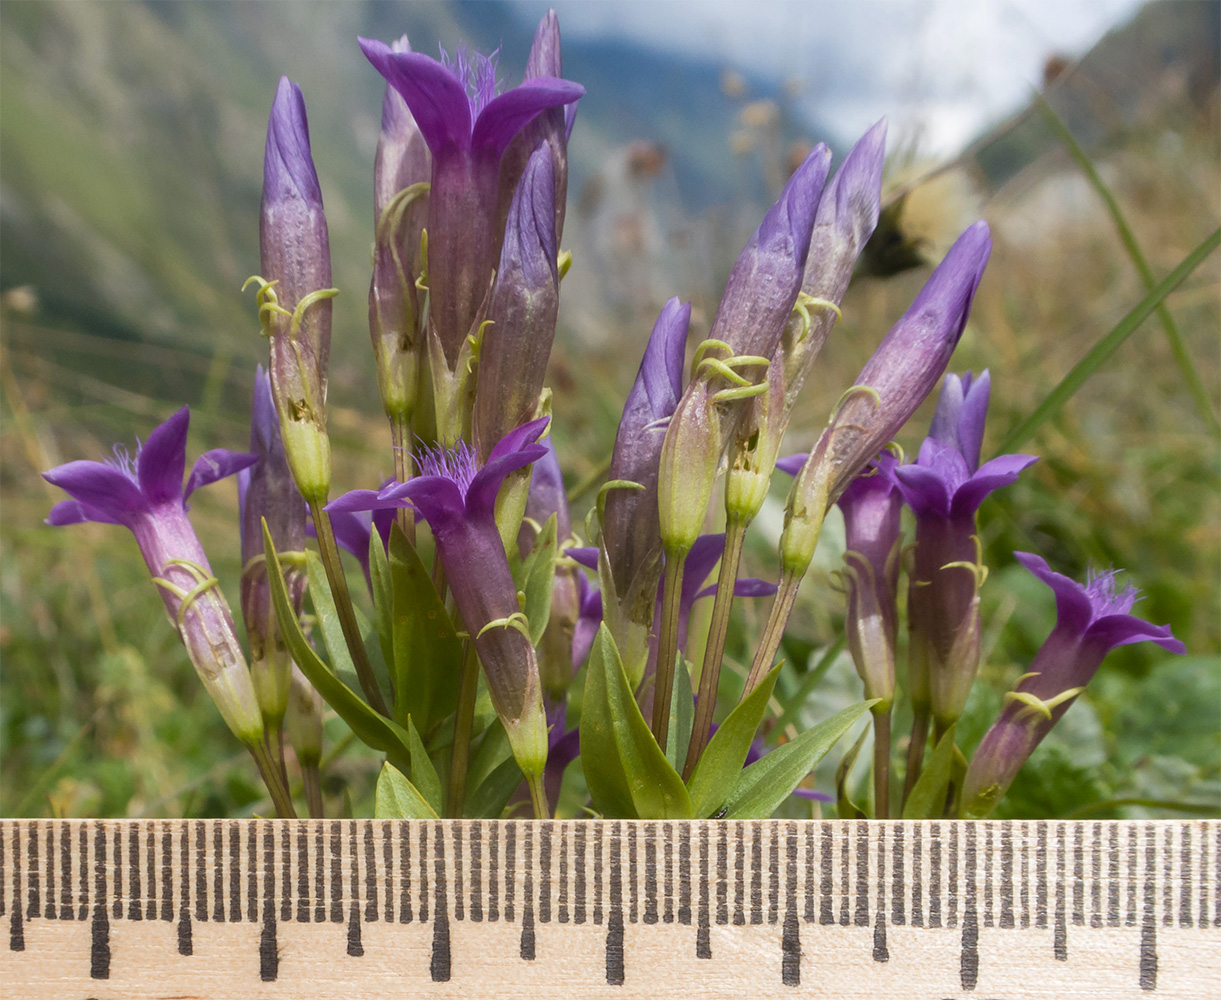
584	555
971	419
436	98
1120	630
507	114
924	489
744	586
103	488
1000	471
357	500
439	501
162	460
215	465
514	451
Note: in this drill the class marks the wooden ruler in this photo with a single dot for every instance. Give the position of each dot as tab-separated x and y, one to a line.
372	908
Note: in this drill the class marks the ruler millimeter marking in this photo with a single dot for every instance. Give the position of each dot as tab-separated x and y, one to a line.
800	878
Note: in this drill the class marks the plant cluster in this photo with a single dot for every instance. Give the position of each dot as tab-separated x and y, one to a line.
487	603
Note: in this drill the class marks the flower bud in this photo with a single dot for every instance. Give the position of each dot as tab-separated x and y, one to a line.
295	307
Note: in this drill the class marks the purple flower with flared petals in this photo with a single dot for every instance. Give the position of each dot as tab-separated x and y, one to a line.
945	487
146	495
871	506
458	500
468	128
1091	620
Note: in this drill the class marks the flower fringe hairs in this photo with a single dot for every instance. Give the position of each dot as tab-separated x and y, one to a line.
485	608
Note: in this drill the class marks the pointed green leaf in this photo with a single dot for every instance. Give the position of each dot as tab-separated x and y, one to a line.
540	580
326	615
720	766
627	774
768	782
427	656
927	799
368	725
423	773
489	798
398	798
383	595
846	808
682	715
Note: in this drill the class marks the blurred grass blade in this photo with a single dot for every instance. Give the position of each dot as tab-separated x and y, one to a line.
1128	238
794	702
1107	346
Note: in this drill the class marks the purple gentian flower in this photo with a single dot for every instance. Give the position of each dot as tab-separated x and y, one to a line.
399	217
146	495
458	500
895	380
468	132
1091	620
525	302
871	507
354	529
945	487
631	536
296	262
266	491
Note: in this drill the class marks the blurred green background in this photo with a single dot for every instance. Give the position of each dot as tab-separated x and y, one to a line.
131	138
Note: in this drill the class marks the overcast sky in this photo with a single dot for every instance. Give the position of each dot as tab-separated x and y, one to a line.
941	70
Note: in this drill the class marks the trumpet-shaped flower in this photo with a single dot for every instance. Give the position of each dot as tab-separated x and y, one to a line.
1091	620
458	500
146	495
945	487
467	127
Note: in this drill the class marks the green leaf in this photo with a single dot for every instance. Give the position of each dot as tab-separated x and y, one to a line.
370	727
383	595
327	617
398	798
492	751
682	715
844	805
720	766
927	799
627	774
427	656
540	580
422	771
768	782
489	798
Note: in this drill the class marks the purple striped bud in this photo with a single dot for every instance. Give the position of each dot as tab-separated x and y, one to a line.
514	349
893	383
1091	620
402	166
295	306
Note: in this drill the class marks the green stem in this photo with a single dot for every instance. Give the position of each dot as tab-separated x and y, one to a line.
400	436
468	688
538	796
714	651
667	644
1107	346
273	778
773	631
915	751
311	780
1186	368
881	763
343	605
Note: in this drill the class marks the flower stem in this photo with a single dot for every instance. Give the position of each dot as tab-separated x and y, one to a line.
881	763
667	644
311	779
538	796
273	778
400	436
714	651
468	688
343	605
773	631
915	751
